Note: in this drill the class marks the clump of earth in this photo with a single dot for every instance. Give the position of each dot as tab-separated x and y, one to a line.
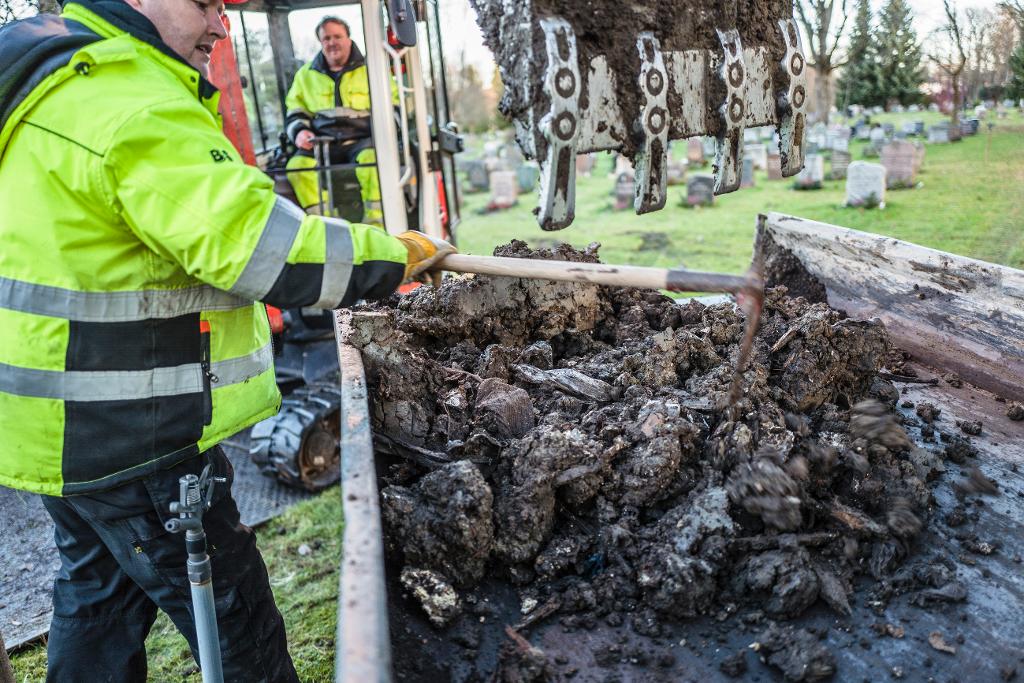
576	441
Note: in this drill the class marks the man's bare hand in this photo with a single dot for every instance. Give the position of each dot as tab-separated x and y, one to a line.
304	140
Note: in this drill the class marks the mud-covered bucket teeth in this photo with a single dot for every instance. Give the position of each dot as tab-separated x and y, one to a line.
608	76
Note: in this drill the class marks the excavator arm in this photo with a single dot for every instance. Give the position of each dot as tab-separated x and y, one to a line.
631	77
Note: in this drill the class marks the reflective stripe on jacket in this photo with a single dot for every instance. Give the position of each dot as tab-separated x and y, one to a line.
135	247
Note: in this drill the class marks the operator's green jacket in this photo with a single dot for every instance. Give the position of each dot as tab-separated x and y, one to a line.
135	244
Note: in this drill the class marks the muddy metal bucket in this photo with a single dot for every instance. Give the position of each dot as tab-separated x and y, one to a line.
970	321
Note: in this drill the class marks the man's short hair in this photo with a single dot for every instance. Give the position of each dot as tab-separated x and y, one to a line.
333	20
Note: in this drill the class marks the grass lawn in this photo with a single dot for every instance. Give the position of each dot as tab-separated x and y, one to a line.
971	202
967	204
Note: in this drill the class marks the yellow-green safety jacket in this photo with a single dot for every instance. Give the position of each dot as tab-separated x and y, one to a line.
317	94
135	245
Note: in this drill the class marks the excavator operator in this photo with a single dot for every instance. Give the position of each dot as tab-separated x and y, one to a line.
137	252
330	97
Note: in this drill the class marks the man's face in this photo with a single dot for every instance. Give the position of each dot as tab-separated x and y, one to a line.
335	43
189	27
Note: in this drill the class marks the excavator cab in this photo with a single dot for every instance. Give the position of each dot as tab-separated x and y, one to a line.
415	142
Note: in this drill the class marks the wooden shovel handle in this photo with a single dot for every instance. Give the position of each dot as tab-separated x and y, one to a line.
672	279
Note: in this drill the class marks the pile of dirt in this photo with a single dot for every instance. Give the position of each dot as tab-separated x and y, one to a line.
575	441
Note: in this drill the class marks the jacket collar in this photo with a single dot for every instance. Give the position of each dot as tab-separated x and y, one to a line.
355	60
110	18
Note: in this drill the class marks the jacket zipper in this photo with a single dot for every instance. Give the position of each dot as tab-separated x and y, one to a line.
209	379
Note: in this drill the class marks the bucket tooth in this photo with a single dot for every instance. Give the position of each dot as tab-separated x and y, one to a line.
791	101
732	113
560	126
652	159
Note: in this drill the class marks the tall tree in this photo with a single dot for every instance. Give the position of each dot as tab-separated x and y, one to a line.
817	18
1015	8
856	84
1015	88
899	70
950	55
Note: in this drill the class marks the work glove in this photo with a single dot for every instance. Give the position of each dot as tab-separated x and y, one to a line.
425	252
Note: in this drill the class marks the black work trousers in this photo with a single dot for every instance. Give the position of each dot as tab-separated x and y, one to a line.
119	565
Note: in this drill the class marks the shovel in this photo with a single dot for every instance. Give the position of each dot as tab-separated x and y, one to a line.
748	288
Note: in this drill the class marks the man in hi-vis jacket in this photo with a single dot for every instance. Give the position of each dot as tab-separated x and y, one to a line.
137	253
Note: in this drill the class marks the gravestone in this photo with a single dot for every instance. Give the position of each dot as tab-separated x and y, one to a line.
840	144
772	145
888	129
865	184
975	124
877	137
863	132
919	152
622	165
909	128
759	153
934	108
747	176
774	166
813	174
913	109
675	171
476	174
504	189
965	128
700	190
694	152
938	134
899	158
625	189
527	176
585	164
918	127
511	157
750	136
710	147
840	162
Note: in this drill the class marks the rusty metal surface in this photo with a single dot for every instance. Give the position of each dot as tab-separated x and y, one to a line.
990	622
363	646
957	313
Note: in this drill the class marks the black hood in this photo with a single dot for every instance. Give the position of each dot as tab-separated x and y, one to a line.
355	60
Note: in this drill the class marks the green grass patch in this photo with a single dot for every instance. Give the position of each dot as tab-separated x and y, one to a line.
305	588
970	201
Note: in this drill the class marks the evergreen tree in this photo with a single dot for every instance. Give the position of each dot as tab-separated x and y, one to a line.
899	72
1015	88
857	83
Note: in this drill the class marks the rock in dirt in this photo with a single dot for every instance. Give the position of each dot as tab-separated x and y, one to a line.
435	595
734	665
521	662
443	522
797	653
1015	412
938	642
977	482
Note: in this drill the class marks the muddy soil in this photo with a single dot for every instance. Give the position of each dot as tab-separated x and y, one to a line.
574	442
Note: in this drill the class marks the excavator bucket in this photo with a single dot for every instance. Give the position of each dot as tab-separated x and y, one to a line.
599	75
